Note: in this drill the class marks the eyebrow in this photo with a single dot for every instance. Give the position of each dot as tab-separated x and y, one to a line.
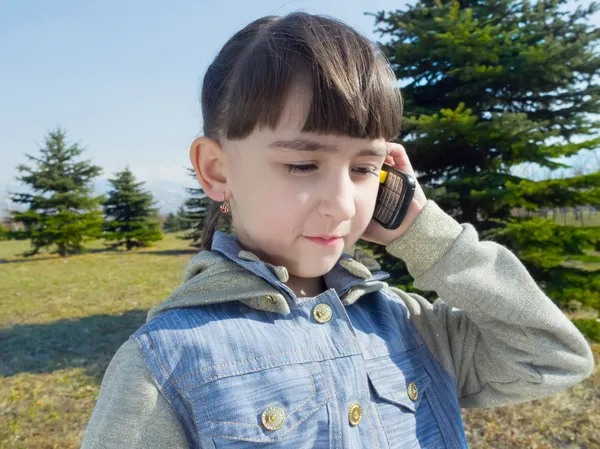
313	145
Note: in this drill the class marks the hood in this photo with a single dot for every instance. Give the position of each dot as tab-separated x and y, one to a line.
228	273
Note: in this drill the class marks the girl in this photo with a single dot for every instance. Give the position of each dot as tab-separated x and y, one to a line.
278	336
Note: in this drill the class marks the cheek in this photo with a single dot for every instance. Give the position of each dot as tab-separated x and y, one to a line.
270	203
290	207
290	197
365	206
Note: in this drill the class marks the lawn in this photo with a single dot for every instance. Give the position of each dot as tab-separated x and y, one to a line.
61	320
568	219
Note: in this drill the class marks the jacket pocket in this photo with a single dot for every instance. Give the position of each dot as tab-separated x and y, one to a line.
401	387
272	405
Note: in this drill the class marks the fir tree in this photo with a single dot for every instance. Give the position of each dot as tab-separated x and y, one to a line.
181	215
3	233
62	213
488	85
130	217
172	223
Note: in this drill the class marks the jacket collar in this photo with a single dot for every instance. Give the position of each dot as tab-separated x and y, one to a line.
347	273
229	273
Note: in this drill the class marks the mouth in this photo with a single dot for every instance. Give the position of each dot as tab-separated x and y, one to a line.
325	240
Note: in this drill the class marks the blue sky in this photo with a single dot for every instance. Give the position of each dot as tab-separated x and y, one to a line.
123	76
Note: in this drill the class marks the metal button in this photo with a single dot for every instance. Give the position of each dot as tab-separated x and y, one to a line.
272	418
413	392
322	313
354	414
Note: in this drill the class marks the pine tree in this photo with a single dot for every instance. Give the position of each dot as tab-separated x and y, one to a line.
181	216
130	218
488	85
3	233
62	213
195	212
172	223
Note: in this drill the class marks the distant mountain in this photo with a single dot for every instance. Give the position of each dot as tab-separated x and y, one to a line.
5	203
168	195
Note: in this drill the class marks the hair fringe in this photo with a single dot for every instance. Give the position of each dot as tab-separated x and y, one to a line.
354	89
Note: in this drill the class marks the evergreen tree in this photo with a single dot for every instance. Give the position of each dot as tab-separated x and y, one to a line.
195	212
3	233
130	218
178	221
62	213
488	85
172	223
181	216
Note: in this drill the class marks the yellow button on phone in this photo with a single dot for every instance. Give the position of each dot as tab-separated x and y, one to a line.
382	176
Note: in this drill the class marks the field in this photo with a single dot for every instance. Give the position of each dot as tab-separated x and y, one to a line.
589	219
62	320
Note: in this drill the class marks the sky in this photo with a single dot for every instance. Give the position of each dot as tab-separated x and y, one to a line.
123	77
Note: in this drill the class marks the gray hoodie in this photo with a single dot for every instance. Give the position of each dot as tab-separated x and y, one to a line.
492	328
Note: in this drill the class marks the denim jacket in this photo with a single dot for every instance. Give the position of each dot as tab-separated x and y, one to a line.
236	360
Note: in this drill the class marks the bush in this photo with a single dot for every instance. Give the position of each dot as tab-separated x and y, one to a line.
589	328
574	305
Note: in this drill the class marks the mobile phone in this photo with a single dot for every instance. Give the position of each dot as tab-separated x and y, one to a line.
396	191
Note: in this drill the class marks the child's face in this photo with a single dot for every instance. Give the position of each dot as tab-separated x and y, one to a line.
275	210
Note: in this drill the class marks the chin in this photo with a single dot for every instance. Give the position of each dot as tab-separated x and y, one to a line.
316	269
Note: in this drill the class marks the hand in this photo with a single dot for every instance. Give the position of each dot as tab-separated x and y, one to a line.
375	232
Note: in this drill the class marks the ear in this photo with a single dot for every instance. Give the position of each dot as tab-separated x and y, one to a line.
208	160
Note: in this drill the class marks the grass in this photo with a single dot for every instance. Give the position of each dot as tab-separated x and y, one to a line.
569	420
61	320
589	219
588	262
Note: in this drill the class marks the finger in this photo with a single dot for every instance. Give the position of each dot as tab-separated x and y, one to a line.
395	147
400	159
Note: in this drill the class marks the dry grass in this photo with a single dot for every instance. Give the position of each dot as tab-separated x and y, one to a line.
569	420
62	320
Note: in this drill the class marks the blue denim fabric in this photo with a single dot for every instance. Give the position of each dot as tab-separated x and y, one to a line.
221	365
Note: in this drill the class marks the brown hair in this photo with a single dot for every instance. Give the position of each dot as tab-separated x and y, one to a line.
354	90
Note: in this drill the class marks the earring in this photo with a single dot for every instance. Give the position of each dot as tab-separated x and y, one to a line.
225	206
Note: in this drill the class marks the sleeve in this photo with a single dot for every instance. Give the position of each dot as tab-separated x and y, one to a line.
130	411
492	328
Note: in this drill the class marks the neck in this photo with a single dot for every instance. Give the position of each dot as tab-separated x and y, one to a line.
306	287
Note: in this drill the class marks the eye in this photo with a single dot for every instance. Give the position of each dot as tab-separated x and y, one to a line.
312	167
368	171
300	168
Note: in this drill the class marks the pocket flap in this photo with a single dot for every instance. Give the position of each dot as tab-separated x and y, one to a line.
399	377
233	407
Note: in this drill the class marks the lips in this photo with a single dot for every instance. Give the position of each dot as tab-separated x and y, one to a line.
325	241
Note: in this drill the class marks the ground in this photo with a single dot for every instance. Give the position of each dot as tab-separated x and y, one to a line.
61	321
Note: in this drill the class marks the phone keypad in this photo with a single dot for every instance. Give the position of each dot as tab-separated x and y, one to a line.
389	198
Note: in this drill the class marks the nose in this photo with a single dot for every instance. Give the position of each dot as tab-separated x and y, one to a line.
337	198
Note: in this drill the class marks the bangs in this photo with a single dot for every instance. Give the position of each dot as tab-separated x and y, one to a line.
353	89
